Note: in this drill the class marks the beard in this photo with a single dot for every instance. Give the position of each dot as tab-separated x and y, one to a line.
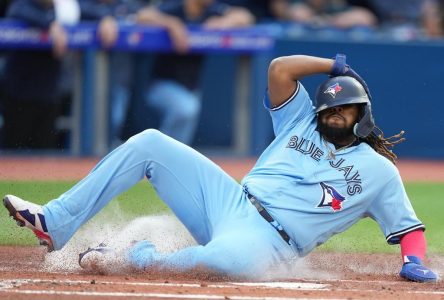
335	134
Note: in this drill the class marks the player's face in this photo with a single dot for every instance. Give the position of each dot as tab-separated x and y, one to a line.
341	116
336	123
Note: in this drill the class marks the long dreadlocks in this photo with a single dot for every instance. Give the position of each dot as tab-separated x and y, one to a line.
381	144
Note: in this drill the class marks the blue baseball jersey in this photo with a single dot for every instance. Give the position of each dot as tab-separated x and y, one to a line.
310	195
314	196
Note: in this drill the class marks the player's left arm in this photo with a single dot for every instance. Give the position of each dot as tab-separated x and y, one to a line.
413	250
394	213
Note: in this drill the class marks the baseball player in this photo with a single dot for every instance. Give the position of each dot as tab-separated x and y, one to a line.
327	168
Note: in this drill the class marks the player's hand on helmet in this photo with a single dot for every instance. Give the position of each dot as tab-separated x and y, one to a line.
414	270
340	68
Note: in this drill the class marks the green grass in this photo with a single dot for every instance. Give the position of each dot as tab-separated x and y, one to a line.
138	201
427	200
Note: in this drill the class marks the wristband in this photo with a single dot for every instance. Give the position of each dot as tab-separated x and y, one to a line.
339	66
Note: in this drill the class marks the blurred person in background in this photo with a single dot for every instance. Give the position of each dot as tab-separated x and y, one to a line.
32	77
174	89
173	92
110	15
323	13
405	19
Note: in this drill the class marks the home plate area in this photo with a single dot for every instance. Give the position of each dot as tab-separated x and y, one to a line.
322	276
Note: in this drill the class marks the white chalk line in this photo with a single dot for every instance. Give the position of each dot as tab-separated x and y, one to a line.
281	285
155	295
10	286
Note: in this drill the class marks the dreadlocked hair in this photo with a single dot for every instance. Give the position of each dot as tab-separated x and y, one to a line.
381	144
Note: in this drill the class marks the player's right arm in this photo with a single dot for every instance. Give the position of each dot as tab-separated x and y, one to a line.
285	71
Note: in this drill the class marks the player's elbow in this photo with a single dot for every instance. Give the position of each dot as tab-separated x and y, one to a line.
279	68
290	67
276	68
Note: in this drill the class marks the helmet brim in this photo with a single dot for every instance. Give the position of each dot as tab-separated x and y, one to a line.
343	101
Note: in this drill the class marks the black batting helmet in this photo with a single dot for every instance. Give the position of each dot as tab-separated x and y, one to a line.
342	90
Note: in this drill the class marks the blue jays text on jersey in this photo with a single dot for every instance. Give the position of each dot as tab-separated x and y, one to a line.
307	147
351	176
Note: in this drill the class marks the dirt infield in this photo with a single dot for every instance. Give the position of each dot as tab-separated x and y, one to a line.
24	272
332	276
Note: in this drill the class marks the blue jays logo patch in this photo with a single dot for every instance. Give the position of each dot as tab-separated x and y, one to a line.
331	197
333	89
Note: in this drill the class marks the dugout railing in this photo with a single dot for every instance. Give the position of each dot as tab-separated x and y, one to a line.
404	76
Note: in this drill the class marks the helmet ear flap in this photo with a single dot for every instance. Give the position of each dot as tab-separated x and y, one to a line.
366	125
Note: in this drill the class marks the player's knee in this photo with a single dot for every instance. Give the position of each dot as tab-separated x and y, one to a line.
145	135
145	140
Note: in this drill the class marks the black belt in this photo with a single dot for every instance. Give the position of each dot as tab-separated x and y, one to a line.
268	217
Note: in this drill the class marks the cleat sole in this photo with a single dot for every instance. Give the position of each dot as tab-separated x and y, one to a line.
12	212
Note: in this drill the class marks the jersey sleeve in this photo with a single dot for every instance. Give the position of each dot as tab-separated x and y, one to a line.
393	211
295	109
